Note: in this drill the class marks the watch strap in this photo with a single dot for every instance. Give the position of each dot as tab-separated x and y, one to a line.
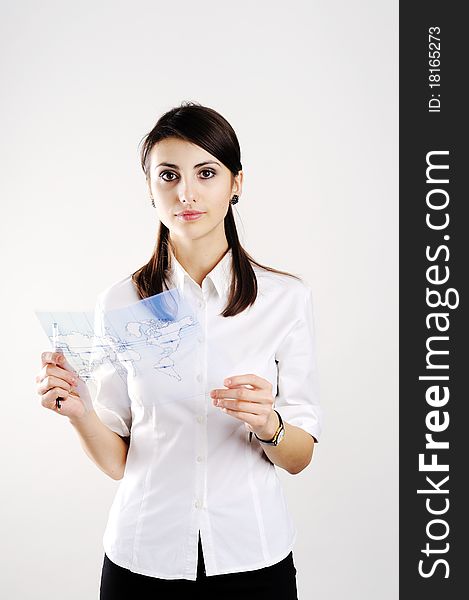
280	428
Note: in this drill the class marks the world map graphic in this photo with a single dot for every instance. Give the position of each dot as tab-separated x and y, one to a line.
143	332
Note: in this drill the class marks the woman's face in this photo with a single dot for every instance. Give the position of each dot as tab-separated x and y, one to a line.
184	176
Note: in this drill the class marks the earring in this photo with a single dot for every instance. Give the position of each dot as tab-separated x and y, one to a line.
153	203
234	199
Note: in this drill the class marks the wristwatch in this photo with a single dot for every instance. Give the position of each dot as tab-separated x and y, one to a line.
278	435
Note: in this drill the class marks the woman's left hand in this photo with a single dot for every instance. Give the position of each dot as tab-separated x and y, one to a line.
253	404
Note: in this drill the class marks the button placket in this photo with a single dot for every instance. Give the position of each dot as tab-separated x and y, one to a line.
200	452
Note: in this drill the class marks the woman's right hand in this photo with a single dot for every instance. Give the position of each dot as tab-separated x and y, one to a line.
58	379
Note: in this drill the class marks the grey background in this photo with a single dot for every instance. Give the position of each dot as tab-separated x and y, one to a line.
311	89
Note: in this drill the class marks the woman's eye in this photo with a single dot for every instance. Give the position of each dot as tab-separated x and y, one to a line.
209	171
167	173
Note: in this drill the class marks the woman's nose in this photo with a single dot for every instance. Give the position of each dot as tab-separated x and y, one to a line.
186	193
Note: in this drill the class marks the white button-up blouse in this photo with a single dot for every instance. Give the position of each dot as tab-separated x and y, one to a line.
192	467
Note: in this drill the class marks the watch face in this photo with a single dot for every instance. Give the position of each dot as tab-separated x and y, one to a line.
280	435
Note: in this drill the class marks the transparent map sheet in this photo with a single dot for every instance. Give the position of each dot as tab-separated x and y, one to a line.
153	337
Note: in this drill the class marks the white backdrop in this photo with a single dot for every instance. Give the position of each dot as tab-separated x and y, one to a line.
311	89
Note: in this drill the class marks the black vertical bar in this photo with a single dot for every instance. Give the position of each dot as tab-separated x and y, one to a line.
433	270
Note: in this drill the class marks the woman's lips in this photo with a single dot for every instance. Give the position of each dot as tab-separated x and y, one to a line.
190	216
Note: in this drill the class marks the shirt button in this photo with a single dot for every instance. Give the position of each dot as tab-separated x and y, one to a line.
200	419
200	303
200	458
200	339
198	504
199	377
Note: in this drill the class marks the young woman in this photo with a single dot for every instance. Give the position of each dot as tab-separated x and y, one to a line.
200	505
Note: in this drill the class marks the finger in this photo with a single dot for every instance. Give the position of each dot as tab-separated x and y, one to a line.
239	393
52	358
51	382
250	379
49	401
243	385
253	408
49	369
56	358
49	398
248	418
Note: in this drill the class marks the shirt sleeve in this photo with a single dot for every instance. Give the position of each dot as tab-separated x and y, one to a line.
297	398
111	400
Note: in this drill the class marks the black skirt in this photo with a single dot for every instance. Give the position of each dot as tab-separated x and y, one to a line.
274	581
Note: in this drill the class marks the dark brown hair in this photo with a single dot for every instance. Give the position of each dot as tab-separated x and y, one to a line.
206	128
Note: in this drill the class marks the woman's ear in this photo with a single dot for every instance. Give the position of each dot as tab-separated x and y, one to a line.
148	182
238	183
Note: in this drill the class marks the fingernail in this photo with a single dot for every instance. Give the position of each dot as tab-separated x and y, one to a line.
227	381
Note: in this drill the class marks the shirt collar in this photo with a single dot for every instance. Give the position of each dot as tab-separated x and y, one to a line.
220	275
